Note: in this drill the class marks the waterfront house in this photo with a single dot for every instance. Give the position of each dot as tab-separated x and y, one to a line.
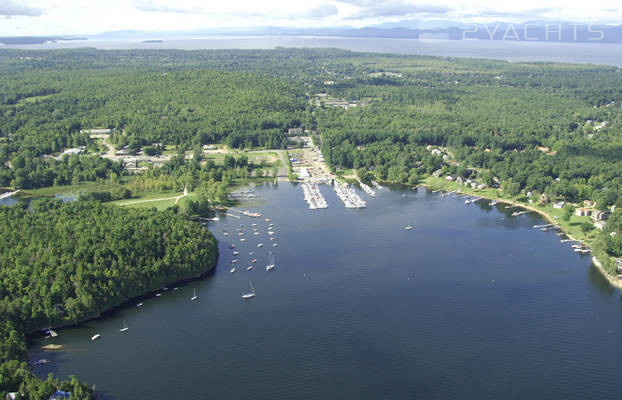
559	204
618	262
544	198
599	215
583	212
450	178
600	225
589	203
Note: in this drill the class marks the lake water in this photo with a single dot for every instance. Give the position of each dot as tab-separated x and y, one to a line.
590	53
470	304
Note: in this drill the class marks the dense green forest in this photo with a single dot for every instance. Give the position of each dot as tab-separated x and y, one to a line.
64	262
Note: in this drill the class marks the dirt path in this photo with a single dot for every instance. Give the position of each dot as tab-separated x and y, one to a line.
176	198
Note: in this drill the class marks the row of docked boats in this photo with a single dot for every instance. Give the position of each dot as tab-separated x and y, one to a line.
313	196
367	189
348	196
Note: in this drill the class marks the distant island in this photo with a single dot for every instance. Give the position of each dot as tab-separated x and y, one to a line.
153	41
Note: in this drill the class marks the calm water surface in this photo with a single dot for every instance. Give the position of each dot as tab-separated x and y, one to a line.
470	304
584	53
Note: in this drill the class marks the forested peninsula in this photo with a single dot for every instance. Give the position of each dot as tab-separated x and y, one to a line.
66	262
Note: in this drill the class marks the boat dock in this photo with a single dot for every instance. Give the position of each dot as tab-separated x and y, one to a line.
543	226
313	196
348	196
377	185
367	189
247	213
517	213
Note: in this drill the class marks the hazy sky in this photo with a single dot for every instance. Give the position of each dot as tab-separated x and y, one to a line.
56	17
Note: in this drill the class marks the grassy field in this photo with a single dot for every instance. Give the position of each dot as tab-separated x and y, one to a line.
256	157
67	190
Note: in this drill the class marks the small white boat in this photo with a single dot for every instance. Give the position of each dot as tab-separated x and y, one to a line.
242	240
158	294
193	298
275	244
234	261
50	333
232	270
125	328
235	253
95	336
249	267
139	305
260	245
408	227
251	294
270	266
272	238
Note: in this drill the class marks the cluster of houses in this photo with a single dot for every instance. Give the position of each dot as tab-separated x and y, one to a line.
599	217
466	182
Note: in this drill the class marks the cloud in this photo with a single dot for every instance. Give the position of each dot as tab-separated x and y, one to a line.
322	11
392	8
526	14
318	12
152	6
11	8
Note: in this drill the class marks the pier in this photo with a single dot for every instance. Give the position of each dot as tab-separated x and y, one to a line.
367	189
348	196
313	196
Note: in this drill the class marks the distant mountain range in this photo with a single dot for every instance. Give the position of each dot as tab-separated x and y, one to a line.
546	31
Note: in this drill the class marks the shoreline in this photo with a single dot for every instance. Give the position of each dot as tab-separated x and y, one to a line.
125	303
613	281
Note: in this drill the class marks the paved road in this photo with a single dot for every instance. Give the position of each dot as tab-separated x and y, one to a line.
283	175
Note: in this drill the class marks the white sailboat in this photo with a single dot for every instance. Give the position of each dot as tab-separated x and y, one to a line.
193	298
125	328
251	294
409	227
270	266
95	337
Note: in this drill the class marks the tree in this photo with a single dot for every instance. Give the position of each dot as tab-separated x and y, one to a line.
567	212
